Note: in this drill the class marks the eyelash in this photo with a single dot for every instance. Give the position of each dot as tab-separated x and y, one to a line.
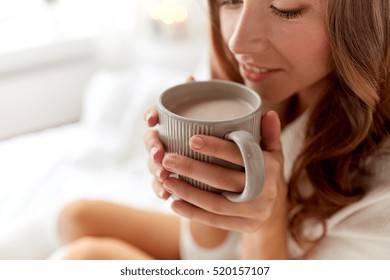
287	14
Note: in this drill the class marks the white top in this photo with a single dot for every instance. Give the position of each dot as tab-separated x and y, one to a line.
190	250
358	231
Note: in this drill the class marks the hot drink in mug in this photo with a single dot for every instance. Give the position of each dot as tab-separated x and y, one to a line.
219	108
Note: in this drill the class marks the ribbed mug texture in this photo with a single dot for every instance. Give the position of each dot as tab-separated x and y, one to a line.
176	133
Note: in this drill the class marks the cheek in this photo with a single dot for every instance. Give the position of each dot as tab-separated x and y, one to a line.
228	25
310	54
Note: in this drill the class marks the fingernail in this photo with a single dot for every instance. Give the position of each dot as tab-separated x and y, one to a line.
148	116
196	143
160	175
167	187
161	193
169	163
158	172
153	152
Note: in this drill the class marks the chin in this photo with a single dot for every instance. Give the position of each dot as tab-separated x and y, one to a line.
268	94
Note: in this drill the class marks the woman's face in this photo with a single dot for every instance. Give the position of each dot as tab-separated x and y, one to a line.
281	46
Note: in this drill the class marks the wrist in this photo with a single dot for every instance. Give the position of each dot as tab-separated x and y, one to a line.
270	240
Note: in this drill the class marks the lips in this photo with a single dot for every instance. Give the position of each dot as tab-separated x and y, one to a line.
256	73
256	69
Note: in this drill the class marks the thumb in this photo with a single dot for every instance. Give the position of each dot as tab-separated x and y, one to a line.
270	132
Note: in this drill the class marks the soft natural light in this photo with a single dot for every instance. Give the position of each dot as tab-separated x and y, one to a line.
26	24
12	8
29	23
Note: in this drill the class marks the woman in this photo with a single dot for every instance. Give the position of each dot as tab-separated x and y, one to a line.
322	69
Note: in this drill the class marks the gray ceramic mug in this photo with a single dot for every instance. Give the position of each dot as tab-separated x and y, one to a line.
219	108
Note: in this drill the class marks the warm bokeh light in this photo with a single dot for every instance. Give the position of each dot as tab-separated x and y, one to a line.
169	11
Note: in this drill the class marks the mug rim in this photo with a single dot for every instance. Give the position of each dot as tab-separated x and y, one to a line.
163	108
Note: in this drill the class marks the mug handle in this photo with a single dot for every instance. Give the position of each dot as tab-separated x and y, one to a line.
253	163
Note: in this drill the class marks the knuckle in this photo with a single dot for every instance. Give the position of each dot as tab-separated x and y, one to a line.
273	166
180	191
212	220
217	208
251	226
148	135
272	193
185	166
266	213
151	138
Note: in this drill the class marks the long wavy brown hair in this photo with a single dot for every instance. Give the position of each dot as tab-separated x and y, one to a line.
348	124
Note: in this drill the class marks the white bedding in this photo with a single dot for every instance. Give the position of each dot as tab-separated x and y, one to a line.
101	157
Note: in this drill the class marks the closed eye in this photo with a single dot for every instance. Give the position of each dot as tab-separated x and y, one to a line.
287	14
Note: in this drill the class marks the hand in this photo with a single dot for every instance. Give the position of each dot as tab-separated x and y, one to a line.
215	210
156	150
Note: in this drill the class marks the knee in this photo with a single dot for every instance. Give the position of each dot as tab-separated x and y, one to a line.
85	248
74	219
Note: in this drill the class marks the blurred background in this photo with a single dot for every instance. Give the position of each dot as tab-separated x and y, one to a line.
50	49
76	77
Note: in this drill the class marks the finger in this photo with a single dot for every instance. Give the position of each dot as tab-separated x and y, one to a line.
153	145
213	175
159	172
215	203
211	202
151	116
160	191
190	79
217	147
271	129
192	212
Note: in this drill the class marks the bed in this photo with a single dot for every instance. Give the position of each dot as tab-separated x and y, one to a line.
100	157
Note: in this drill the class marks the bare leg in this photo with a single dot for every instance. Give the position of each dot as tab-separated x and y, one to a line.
154	234
103	248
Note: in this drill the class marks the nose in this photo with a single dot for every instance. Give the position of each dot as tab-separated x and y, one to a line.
249	33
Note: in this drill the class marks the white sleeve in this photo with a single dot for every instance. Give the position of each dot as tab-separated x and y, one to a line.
360	231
